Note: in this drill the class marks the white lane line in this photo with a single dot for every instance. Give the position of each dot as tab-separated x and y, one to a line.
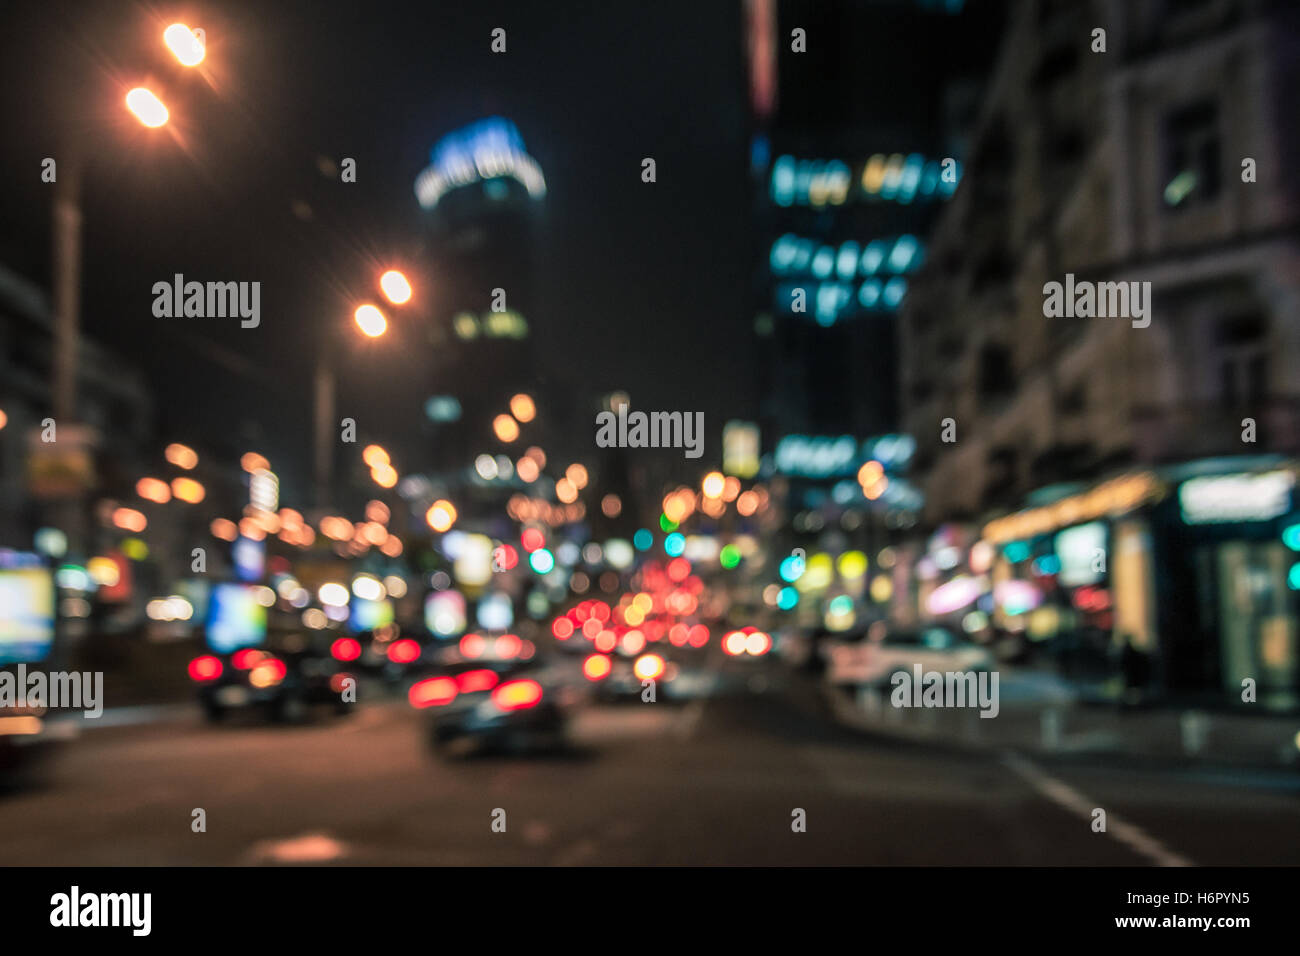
1062	794
306	848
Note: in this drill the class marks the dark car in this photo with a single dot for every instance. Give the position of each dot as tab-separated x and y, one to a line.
25	743
390	652
495	705
283	683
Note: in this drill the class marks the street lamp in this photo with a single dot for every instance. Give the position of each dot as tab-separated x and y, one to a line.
148	109
145	105
395	287
373	323
186	44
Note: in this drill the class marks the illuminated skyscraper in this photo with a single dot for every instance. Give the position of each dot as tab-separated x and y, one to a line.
481	191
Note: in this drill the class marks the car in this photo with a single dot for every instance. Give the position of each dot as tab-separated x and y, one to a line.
26	741
491	705
625	676
283	684
872	658
389	652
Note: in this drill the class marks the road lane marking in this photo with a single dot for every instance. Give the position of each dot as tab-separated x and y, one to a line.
307	848
1063	795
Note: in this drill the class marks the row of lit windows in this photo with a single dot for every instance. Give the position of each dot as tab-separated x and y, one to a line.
792	255
829	302
896	178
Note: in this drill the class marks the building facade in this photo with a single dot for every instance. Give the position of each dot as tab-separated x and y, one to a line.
1155	154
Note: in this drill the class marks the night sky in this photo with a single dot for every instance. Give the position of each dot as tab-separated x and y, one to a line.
642	287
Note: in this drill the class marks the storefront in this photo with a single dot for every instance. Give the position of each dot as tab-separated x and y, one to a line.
1184	580
1227	588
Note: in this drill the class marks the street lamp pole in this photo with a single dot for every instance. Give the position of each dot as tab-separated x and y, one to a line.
324	397
372	322
67	292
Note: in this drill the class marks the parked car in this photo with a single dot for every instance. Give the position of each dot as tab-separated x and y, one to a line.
283	684
26	740
872	659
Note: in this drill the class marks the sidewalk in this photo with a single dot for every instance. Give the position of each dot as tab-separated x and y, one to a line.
1044	715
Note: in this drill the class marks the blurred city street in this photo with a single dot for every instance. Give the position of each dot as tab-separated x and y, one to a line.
759	432
709	782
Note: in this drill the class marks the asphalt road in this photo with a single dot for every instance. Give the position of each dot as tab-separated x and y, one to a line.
713	781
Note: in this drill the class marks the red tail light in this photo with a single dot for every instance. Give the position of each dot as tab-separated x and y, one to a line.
267	672
479	680
403	651
205	668
345	649
432	692
517	695
247	658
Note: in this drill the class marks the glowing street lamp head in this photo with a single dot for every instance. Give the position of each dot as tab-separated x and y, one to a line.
395	287
506	428
523	408
371	321
441	516
713	485
185	44
148	109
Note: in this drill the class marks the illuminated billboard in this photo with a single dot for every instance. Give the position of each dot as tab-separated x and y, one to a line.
26	614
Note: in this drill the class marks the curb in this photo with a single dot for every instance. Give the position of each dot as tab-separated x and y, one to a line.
924	729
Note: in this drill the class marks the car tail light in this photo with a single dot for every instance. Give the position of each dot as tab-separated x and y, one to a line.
205	668
507	646
517	695
403	651
758	644
734	643
267	673
596	667
345	649
432	692
479	680
648	666
245	659
339	681
472	645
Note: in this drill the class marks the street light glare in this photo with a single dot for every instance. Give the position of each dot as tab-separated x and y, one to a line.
183	42
371	321
522	407
395	287
148	109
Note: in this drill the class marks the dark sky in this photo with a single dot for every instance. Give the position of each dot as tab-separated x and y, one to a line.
644	287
